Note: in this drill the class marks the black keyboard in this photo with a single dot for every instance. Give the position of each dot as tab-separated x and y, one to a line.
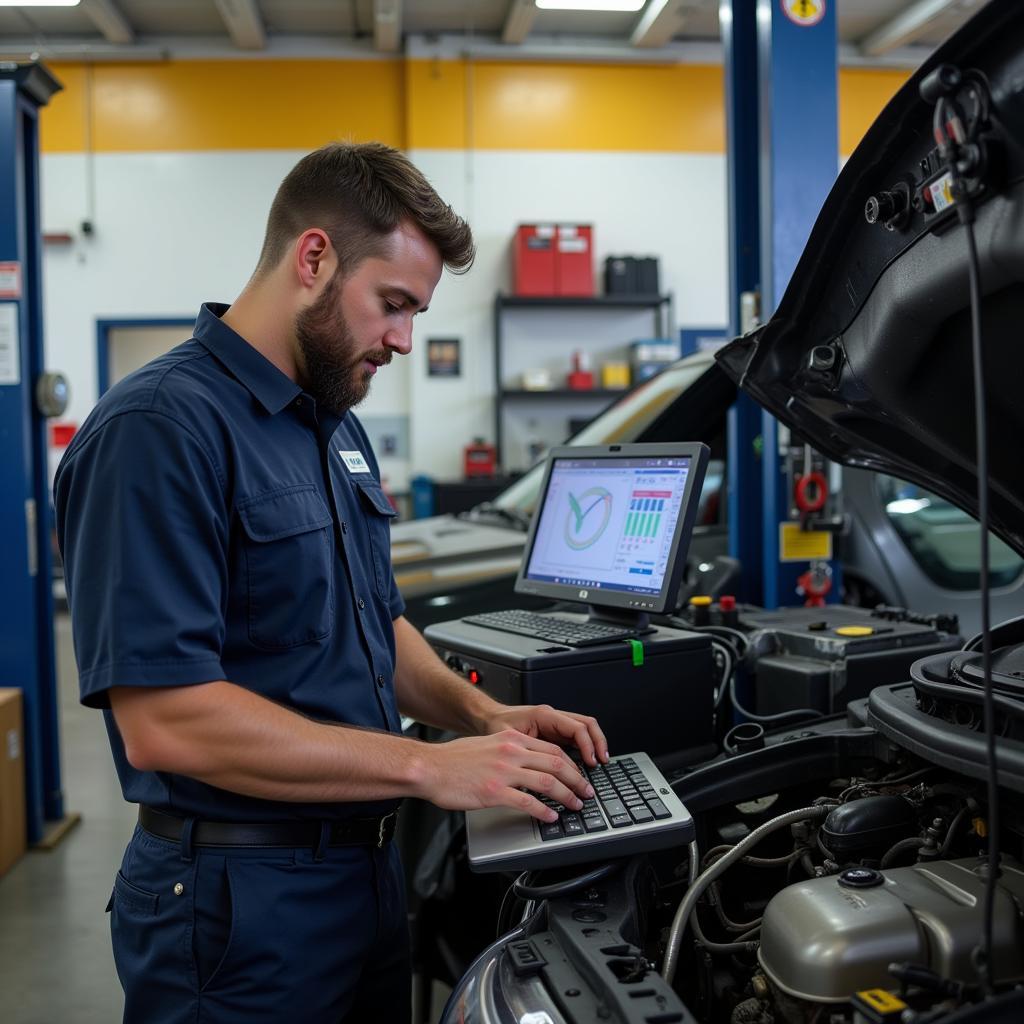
633	810
621	791
555	628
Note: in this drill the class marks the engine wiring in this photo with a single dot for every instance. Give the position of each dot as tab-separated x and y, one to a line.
700	882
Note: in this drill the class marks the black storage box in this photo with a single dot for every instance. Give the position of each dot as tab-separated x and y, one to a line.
631	275
662	707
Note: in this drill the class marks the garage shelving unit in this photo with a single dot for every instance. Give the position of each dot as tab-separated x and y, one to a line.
660	307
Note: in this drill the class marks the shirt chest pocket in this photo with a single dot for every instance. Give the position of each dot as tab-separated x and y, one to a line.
288	547
379	514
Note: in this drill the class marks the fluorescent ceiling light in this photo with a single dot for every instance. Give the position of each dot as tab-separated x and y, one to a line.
589	5
39	3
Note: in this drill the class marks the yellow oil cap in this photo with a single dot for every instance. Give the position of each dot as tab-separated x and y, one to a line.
878	1006
854	630
701	601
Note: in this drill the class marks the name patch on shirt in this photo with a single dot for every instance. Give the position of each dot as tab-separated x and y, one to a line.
354	462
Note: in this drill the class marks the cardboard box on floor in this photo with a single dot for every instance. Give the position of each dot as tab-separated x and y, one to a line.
12	780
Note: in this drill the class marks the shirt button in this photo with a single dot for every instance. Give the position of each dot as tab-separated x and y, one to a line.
298	403
361	603
344	527
380	679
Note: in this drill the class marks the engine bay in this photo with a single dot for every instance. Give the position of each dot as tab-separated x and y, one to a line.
836	876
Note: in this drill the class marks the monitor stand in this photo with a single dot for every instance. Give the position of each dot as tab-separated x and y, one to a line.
625	617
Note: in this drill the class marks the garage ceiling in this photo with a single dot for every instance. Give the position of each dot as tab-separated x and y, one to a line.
870	31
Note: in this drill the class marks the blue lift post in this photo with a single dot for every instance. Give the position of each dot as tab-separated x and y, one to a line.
739	44
26	564
782	89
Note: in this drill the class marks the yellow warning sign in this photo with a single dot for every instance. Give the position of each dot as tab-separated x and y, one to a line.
796	545
804	12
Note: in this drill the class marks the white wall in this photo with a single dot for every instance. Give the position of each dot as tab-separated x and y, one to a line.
173	230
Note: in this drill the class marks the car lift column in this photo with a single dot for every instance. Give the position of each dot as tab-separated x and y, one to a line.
26	565
782	90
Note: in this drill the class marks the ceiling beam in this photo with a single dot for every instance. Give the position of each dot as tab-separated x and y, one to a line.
243	22
106	16
905	27
660	21
387	25
518	21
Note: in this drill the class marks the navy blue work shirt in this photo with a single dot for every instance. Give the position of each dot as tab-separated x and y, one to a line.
215	524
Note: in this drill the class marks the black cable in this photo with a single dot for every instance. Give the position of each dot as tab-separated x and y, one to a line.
945	125
782	715
502	921
728	669
981	428
726	633
528	891
947	843
894	851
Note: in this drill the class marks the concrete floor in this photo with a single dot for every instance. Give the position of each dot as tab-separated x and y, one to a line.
55	959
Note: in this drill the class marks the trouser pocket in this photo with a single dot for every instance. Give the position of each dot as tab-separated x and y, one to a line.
151	929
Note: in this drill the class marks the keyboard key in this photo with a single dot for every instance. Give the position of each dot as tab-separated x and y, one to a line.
658	809
550	830
594	824
619	820
641	814
613	807
572	824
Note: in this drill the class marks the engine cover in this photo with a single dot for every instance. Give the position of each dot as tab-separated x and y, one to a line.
825	939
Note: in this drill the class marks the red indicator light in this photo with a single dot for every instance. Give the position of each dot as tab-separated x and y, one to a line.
474	676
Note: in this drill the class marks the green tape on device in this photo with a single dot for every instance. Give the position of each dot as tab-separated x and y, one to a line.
638	652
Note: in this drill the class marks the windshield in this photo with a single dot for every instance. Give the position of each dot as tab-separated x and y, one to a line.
624	422
943	539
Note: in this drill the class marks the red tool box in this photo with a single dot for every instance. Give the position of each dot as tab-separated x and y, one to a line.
553	259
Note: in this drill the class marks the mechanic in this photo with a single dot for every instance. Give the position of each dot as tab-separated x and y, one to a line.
227	559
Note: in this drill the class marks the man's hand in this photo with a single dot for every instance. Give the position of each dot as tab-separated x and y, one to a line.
562	727
492	771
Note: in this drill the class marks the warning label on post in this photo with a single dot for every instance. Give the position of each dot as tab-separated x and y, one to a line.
796	545
10	280
804	12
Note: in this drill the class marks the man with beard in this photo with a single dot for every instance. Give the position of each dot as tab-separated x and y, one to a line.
226	550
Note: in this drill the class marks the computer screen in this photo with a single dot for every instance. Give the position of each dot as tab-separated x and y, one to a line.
613	524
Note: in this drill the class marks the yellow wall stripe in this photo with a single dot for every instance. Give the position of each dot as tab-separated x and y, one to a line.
208	105
598	107
414	104
862	95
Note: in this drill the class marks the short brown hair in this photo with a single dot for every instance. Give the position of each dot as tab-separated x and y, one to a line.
359	193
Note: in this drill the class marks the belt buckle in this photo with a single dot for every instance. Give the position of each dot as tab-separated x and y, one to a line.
382	829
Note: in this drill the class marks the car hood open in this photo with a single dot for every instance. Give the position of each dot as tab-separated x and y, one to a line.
868	356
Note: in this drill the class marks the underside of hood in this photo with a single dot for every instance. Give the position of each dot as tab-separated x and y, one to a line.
868	356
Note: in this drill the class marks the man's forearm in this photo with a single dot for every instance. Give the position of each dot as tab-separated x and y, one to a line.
234	739
431	693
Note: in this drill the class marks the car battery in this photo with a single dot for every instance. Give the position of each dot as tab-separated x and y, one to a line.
822	658
658	700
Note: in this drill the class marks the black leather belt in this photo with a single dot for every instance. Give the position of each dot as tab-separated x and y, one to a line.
350	832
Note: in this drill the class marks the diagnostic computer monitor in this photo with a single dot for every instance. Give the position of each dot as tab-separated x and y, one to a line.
612	527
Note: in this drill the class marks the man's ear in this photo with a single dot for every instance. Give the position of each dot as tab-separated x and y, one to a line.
315	258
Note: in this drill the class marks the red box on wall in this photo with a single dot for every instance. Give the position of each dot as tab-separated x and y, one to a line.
533	260
574	259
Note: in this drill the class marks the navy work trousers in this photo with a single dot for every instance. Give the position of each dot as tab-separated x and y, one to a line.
260	936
